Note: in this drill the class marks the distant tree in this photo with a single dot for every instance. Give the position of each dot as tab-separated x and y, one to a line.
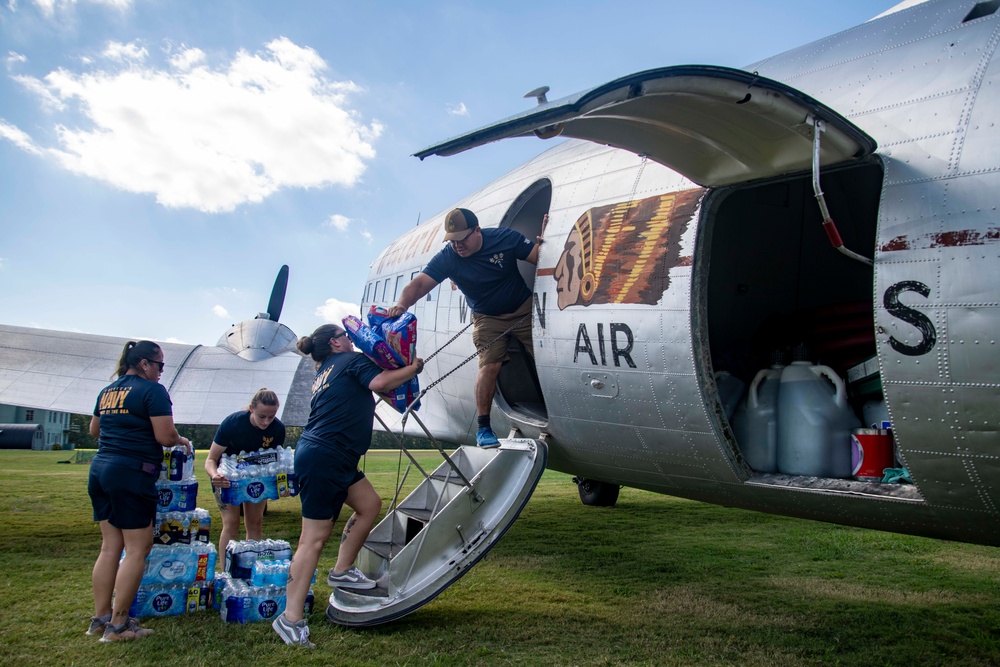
79	432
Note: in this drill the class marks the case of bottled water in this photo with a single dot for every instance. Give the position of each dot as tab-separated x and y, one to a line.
180	564
242	554
257	476
182	527
179	496
270	573
171	599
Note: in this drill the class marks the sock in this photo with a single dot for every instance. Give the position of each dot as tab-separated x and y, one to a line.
484	421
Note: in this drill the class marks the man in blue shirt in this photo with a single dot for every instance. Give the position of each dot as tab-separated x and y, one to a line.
483	264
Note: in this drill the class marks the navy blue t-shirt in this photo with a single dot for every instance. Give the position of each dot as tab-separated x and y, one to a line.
236	433
124	408
342	405
489	279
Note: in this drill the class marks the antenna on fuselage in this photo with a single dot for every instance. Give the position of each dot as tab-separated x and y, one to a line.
538	94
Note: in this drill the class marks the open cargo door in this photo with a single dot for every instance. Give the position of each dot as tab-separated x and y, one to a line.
715	125
443	528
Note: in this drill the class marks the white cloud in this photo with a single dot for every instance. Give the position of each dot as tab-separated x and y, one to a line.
210	138
14	58
49	7
50	102
220	312
339	222
335	311
459	110
125	52
18	138
187	59
366	235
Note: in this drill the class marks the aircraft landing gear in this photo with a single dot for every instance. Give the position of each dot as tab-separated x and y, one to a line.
597	494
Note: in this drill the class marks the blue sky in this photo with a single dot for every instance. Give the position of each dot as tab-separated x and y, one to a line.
160	160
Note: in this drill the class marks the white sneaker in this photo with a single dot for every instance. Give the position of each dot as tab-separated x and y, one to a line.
294	634
352	578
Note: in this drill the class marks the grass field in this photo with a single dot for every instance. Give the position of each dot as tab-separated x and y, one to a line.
654	581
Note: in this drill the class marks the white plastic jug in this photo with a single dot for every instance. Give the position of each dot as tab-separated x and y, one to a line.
755	423
814	422
731	390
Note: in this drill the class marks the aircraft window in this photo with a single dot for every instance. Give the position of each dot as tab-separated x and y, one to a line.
375	292
433	294
399	283
385	289
982	9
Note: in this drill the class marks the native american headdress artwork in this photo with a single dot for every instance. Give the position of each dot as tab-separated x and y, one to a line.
623	253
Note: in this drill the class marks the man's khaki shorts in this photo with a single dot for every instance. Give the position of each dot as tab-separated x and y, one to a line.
487	327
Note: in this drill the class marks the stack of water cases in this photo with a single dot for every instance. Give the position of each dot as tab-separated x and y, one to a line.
252	586
268	474
181	565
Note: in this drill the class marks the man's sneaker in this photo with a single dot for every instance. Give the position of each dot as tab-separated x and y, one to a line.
352	578
294	634
129	630
485	437
98	624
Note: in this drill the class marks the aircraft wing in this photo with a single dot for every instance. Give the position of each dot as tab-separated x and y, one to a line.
714	125
64	371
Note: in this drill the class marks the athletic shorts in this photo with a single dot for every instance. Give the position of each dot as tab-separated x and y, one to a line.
487	327
324	475
122	494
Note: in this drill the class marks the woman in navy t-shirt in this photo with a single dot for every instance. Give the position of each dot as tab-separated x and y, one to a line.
133	421
337	433
249	430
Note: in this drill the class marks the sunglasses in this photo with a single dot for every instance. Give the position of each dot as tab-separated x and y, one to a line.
158	363
466	237
336	336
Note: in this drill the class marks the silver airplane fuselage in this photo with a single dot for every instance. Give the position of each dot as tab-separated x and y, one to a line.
657	285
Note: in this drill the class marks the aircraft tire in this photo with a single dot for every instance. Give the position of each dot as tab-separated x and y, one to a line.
597	494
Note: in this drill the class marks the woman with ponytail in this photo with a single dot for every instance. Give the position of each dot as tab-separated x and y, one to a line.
336	436
252	429
133	421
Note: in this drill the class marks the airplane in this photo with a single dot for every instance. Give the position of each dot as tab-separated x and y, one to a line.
826	216
835	202
64	371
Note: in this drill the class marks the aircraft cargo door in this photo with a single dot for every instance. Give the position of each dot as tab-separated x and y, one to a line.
437	533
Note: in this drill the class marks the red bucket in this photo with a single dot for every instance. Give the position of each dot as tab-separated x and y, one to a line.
871	453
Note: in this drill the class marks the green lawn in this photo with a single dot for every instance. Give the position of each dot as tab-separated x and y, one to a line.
654	581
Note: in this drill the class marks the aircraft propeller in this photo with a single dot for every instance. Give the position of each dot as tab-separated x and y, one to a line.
277	299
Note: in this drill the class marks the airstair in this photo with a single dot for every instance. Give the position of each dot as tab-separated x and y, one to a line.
441	529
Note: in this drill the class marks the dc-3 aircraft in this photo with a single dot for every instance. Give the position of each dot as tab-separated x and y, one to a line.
837	202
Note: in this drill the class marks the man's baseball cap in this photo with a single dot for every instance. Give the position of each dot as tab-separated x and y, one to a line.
458	222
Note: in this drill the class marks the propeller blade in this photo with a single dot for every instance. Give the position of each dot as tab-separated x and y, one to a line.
278	294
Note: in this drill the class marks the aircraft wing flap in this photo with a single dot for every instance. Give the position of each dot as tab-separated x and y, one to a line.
714	125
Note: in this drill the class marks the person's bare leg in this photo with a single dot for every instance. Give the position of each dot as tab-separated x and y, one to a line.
315	533
366	503
253	520
106	568
138	542
486	386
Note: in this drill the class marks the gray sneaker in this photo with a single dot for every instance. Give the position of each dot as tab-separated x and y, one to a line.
294	634
352	578
98	624
128	630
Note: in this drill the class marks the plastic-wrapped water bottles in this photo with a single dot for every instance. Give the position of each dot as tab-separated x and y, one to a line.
180	564
242	554
177	463
177	496
182	527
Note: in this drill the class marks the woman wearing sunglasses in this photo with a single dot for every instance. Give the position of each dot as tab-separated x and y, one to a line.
336	436
133	421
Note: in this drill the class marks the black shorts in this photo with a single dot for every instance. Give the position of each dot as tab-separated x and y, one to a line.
122	494
324	475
